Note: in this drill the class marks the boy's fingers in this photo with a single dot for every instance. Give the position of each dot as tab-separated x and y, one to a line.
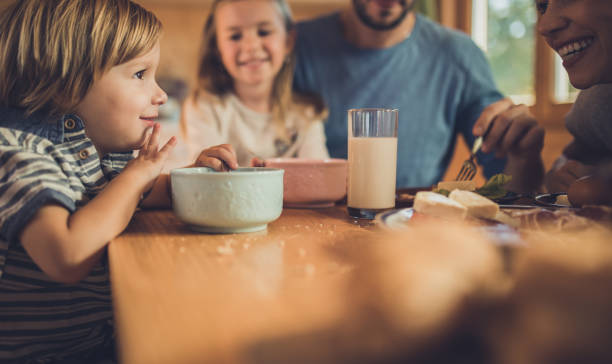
145	146
154	139
170	144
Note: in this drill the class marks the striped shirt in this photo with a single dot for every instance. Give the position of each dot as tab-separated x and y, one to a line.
49	162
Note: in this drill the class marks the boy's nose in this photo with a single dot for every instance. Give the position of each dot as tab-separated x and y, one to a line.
160	97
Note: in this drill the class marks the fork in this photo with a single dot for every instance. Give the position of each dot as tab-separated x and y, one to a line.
468	169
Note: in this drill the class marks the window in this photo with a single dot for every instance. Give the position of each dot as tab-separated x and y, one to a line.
523	65
504	29
564	91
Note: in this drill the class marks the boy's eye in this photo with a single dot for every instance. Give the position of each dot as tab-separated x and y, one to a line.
541	6
140	74
263	32
236	36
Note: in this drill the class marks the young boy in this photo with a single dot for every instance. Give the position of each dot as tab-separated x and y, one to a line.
77	96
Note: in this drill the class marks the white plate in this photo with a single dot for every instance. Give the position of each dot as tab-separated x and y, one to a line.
550	200
399	220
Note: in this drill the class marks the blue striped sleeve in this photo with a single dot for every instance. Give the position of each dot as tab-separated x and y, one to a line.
28	181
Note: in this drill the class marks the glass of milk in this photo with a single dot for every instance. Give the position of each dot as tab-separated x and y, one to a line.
372	161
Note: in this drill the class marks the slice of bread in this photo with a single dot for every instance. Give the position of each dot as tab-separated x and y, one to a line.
435	204
457	185
477	205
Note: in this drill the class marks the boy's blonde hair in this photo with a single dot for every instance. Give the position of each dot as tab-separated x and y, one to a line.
214	78
51	51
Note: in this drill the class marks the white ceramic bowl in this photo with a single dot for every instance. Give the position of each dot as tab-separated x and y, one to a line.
244	200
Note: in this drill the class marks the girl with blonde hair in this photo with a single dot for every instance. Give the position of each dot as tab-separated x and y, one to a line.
244	93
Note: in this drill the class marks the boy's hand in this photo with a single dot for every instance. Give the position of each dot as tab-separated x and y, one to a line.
220	158
150	160
515	132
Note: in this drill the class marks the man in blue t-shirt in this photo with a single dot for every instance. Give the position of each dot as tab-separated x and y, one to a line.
379	53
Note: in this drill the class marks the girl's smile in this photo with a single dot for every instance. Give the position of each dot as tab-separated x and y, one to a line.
252	41
254	62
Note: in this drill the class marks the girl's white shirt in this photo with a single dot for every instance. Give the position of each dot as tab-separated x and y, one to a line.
212	120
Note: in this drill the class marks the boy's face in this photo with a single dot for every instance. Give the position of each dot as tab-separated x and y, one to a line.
252	40
123	104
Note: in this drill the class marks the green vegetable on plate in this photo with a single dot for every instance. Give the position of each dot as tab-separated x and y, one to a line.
494	187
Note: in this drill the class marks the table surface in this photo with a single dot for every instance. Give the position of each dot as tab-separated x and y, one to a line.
273	296
187	297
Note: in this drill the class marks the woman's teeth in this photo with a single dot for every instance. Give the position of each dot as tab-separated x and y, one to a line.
574	48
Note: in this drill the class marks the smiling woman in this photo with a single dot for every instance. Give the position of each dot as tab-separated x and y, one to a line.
581	33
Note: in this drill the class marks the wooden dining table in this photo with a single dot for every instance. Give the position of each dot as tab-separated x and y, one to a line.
186	297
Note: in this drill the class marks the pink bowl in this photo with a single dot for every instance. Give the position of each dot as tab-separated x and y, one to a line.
312	183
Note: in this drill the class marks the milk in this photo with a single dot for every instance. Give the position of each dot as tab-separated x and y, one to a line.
372	165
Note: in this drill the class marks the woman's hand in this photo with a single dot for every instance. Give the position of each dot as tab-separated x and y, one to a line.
150	160
220	158
514	132
565	172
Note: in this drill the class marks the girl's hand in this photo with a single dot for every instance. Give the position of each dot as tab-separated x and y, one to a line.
221	158
150	160
257	162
